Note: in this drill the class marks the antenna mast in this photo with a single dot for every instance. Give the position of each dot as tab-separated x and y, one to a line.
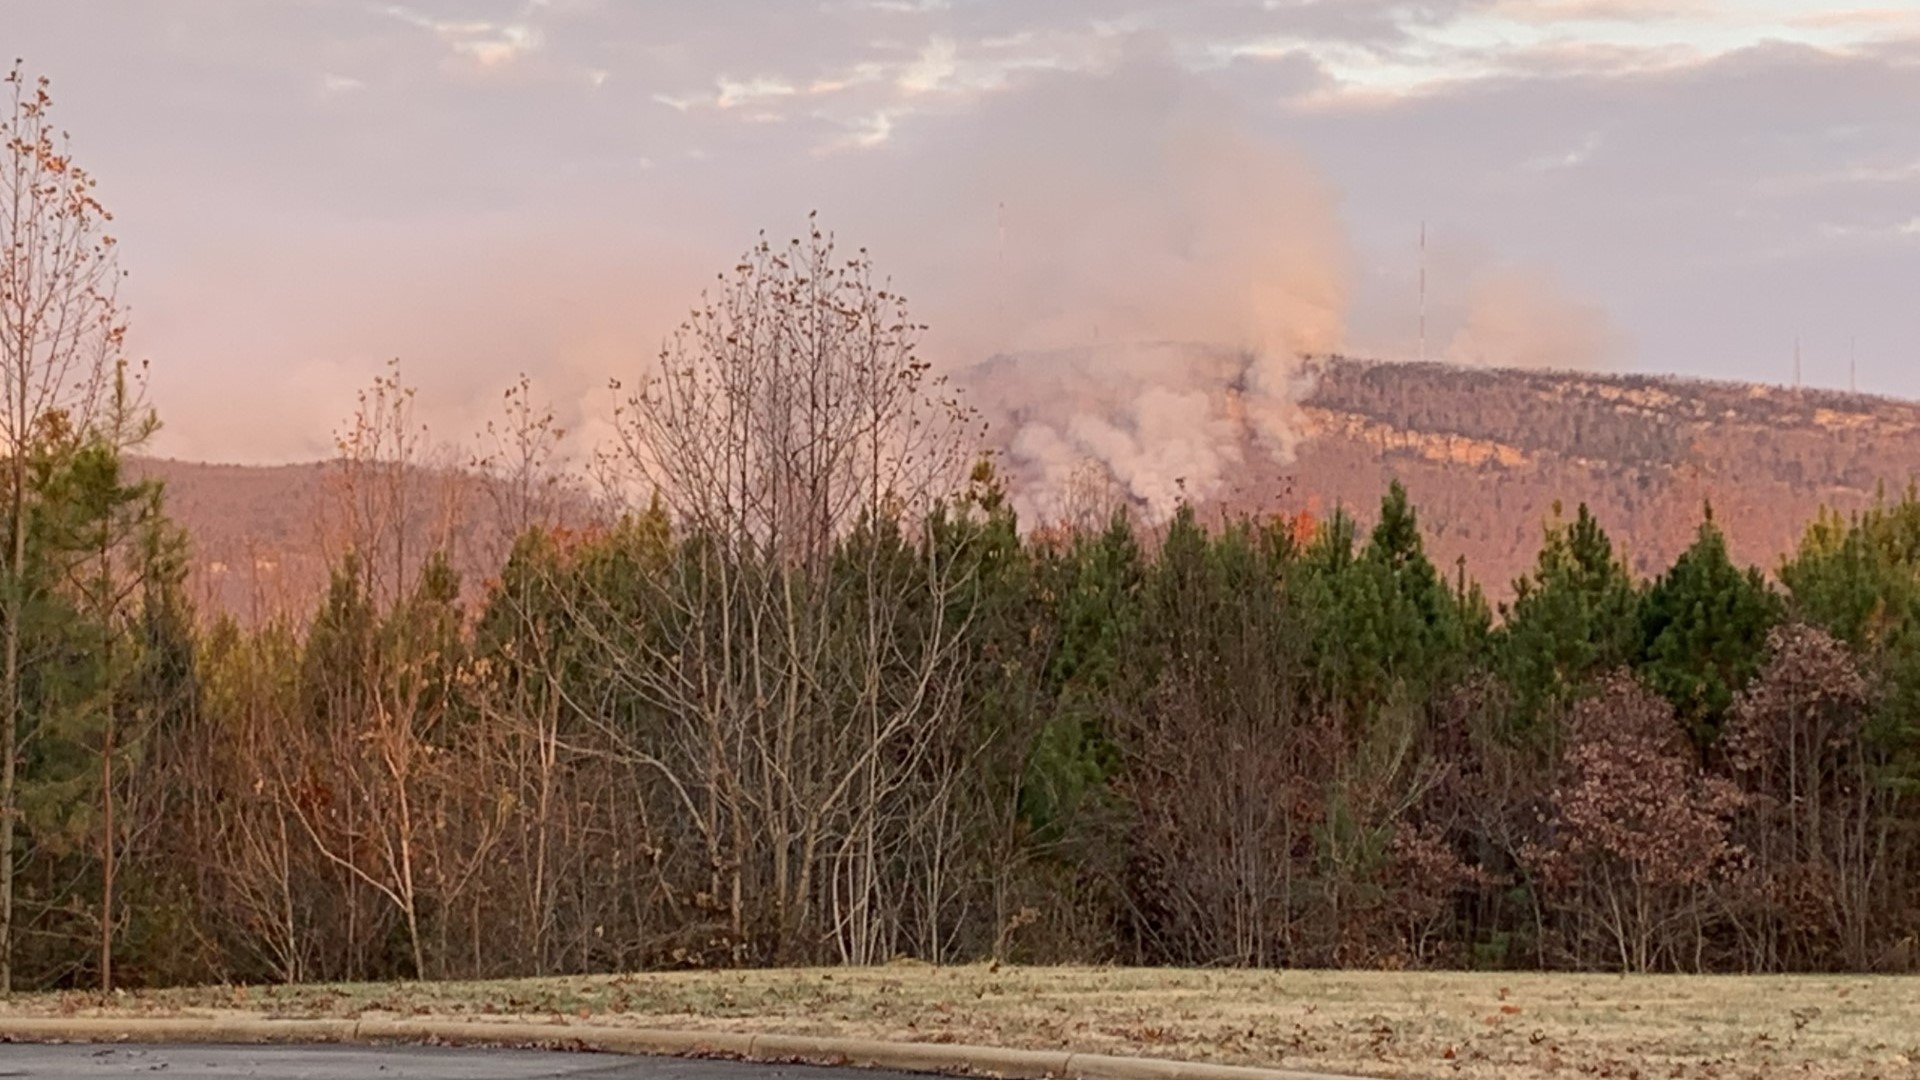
1796	361
1423	289
1853	365
1000	271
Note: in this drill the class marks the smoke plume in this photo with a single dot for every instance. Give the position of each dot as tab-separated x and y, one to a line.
1144	269
1158	421
1525	319
1119	266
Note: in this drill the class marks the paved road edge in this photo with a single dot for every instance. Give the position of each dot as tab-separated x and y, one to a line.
906	1057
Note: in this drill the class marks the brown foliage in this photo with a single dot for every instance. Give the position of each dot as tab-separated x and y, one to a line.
1637	831
1815	817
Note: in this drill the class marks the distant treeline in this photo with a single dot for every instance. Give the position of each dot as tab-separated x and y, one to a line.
806	692
1259	743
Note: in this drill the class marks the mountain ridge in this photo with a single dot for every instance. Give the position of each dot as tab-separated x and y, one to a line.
1486	454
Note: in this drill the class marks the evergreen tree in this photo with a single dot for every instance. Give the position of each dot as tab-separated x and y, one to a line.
1574	618
1859	579
1387	625
108	561
1097	668
1703	628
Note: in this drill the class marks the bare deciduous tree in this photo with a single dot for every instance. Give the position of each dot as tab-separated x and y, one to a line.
521	698
392	501
61	330
794	441
1818	818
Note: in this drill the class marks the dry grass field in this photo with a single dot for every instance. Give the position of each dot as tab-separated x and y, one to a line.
1385	1024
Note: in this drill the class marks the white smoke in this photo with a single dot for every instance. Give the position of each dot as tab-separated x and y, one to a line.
1526	319
1162	422
1109	213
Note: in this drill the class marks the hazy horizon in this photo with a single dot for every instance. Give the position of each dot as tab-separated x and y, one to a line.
305	190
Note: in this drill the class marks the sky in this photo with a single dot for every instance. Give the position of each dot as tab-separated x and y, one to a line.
305	189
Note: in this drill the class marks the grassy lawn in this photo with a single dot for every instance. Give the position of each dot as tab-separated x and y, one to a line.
1383	1024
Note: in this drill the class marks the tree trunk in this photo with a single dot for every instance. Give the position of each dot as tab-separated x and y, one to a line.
10	693
106	856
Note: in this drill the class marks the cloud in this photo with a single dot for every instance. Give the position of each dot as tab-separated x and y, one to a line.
1896	230
496	46
1695	224
1900	20
491	196
733	94
489	43
931	70
1572	158
333	85
1568	11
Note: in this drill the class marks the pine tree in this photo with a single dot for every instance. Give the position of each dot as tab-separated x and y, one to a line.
1387	625
1099	662
1703	629
1574	618
1859	579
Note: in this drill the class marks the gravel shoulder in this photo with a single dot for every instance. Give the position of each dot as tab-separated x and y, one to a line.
1385	1024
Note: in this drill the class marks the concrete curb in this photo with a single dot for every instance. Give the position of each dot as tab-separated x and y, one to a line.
904	1057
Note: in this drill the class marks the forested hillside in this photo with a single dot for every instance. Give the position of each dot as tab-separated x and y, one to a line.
263	538
1487	454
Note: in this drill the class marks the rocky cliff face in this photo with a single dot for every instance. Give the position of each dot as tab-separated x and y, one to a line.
1487	455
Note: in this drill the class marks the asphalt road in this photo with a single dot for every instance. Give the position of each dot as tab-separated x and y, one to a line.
123	1062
